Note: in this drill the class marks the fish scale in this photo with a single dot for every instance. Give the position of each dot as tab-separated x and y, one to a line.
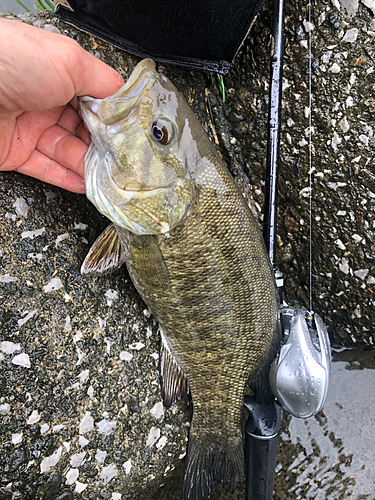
196	256
225	309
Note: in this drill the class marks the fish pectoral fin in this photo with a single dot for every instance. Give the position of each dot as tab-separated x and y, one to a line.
105	255
174	385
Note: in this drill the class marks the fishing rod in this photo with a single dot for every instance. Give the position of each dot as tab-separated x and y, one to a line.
263	424
299	375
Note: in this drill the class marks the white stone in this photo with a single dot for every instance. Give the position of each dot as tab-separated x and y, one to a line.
84	375
9	347
127	466
58	428
344	266
153	436
53	285
108	473
44	428
33	418
17	438
80	487
22	360
161	443
308	26
137	346
363	138
87	423
344	124
52	28
50	461
77	459
126	356
80	353
37	256
340	244
33	234
61	238
116	496
106	427
350	36
357	312
361	273
370	4
72	476
111	296
357	238
4	409
335	68
157	410
326	57
21	207
6	278
22	321
100	456
305	192
80	226
335	185
68	324
336	140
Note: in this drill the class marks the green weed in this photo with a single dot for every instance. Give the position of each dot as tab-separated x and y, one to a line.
47	6
220	83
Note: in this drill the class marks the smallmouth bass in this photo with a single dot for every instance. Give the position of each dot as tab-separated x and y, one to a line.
194	253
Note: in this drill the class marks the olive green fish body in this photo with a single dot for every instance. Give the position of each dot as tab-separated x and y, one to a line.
200	264
209	285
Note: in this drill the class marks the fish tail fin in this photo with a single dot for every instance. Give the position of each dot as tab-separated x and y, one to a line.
207	466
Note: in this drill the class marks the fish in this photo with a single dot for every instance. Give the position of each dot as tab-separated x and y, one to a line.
196	257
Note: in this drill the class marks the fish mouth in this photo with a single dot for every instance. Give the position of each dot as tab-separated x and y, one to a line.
116	107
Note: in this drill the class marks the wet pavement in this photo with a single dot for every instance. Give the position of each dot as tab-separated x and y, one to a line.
327	457
330	456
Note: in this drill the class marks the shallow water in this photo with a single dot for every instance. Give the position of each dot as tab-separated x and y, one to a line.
330	456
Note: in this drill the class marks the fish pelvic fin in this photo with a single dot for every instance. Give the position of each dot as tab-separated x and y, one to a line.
173	381
105	255
207	466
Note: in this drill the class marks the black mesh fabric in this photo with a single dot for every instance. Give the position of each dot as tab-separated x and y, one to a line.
204	34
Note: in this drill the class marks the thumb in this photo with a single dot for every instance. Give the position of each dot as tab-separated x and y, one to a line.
94	77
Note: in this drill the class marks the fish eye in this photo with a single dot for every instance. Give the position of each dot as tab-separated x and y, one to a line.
162	131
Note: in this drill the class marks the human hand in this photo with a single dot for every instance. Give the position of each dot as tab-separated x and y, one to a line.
41	75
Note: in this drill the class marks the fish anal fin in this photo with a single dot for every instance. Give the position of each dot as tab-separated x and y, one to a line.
173	381
105	255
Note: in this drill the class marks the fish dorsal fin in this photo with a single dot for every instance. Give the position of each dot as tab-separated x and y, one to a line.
105	256
173	381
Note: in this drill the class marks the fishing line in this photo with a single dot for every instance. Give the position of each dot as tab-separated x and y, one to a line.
310	155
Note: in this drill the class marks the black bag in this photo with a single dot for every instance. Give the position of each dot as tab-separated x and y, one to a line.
202	34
